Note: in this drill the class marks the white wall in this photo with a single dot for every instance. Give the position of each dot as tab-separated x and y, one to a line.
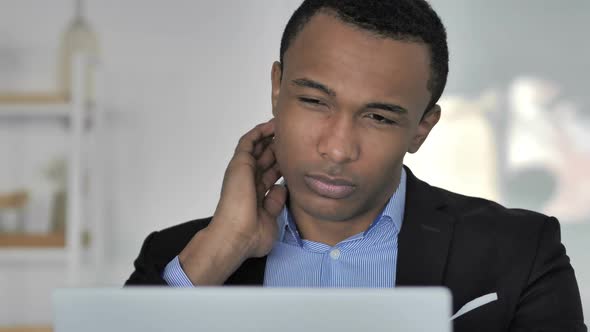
192	77
184	80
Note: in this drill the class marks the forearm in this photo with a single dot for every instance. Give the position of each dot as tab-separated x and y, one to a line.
212	256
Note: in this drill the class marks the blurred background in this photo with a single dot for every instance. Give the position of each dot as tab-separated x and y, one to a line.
117	118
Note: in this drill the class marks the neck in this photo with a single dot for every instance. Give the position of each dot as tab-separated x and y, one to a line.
332	232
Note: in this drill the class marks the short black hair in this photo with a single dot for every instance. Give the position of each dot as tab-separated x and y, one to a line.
405	20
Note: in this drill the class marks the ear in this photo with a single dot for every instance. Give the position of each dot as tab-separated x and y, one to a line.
428	121
275	77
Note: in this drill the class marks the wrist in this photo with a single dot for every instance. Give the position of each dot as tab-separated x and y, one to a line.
211	257
238	243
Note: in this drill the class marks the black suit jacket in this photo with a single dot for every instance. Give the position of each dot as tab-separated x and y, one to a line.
470	245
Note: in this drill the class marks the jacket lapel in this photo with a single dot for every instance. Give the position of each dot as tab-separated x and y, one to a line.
425	236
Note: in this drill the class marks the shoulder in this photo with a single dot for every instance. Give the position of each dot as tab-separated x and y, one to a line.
507	239
486	230
169	242
479	212
474	213
159	248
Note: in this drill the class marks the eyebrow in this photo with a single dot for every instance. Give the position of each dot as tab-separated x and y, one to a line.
308	83
388	107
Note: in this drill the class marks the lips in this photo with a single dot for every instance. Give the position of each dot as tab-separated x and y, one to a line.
328	187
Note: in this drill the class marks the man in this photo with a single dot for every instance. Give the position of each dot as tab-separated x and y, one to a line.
354	91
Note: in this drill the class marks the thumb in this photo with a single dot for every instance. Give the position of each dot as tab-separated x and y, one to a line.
275	200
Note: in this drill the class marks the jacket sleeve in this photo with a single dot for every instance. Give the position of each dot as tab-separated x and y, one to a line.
147	270
550	300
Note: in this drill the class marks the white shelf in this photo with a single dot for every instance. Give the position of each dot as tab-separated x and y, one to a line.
19	111
82	125
40	256
17	256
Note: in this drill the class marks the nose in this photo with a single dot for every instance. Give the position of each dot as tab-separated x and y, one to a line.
338	141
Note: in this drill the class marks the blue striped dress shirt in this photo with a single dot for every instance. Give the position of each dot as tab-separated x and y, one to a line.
367	259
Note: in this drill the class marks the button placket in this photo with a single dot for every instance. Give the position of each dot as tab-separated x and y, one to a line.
335	253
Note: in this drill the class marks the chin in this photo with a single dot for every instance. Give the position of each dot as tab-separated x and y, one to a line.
327	209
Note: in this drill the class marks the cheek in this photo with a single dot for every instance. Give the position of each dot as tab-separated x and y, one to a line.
380	160
283	146
294	139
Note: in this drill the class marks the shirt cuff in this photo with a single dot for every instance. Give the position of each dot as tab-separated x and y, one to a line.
174	275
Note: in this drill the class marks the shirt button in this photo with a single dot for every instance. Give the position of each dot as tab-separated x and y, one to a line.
335	254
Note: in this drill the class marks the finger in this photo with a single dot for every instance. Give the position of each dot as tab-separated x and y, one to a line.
249	140
261	146
266	179
260	191
271	176
275	200
266	159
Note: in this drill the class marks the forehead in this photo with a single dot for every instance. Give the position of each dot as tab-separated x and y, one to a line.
359	63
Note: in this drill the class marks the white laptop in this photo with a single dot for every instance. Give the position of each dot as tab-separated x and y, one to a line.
253	309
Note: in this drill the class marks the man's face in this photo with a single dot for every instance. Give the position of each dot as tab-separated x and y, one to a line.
347	109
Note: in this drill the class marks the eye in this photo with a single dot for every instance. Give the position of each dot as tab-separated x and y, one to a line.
311	101
380	119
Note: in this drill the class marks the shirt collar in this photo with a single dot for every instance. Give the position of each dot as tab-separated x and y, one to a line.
393	212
